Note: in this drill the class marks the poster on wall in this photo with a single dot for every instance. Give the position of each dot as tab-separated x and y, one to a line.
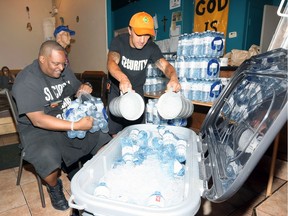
175	4
211	15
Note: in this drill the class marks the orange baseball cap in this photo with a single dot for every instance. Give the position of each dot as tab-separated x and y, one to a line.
142	23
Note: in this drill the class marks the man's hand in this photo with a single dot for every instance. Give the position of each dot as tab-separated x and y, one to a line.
84	88
125	85
84	124
174	84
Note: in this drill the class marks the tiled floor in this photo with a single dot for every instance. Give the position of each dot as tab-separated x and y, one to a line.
24	200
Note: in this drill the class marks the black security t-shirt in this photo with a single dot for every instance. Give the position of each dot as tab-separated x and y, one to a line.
133	62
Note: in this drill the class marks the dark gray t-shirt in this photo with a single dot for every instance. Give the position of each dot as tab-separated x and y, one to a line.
35	91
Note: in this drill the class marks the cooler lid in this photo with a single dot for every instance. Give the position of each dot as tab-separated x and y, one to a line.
242	123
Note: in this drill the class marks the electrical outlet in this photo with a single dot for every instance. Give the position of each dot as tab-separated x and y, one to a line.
232	34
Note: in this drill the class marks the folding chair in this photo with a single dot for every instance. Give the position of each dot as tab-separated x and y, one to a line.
15	117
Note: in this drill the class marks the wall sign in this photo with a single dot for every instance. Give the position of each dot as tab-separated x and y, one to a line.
175	4
211	15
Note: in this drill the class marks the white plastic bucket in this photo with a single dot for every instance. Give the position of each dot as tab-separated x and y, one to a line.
173	105
129	106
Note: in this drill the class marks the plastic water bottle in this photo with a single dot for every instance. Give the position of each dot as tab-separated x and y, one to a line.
149	111
181	66
147	85
212	68
95	126
72	134
127	149
103	125
156	116
167	153
180	150
161	130
197	45
179	46
168	149
140	155
169	137
99	105
142	138
133	135
81	134
178	169
102	190
185	45
205	94
217	44
230	172
157	143
149	70
156	200
185	90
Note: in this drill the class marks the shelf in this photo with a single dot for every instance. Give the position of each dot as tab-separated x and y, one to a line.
199	103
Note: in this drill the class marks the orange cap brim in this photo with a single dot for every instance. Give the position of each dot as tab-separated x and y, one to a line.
143	31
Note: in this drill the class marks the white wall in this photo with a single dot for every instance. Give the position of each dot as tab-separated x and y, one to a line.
89	51
19	47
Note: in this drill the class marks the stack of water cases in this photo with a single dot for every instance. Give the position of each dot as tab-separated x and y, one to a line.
198	65
155	80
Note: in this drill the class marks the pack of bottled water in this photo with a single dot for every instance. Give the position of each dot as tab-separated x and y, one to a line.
204	90
155	82
86	105
153	117
144	155
201	44
198	65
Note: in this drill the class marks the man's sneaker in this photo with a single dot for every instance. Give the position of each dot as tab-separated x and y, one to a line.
57	197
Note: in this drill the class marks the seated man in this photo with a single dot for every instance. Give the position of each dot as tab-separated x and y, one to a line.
42	90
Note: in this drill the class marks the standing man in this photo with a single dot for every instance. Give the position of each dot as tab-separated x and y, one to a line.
128	57
63	35
42	91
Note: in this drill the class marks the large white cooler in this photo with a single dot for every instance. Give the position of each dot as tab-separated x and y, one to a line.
242	122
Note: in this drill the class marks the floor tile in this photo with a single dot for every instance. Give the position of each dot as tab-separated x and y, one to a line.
7	179
11	198
48	210
19	211
276	204
31	193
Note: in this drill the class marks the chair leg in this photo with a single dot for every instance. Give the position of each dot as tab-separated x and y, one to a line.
20	169
39	181
40	187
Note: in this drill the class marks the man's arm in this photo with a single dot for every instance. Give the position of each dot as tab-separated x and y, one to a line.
115	71
42	120
170	73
